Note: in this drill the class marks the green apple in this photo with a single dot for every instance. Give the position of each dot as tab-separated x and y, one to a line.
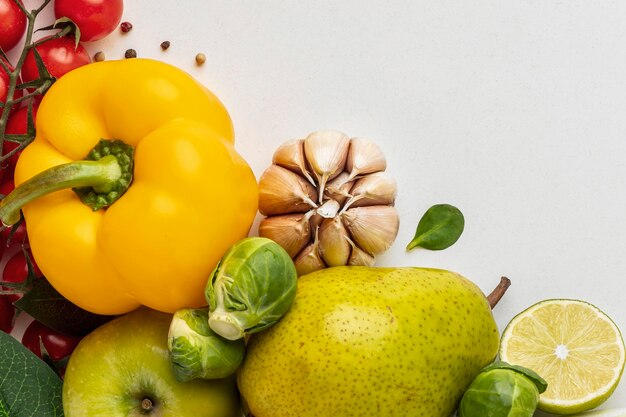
122	369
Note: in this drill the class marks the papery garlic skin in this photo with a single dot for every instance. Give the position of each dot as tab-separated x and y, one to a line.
290	155
364	157
282	192
326	152
373	228
291	231
329	201
379	188
309	260
339	188
334	246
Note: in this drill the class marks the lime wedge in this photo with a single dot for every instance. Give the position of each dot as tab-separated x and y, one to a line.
574	346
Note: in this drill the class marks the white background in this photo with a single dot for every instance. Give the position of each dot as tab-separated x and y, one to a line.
514	111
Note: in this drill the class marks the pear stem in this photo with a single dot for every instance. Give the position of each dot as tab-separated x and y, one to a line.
498	292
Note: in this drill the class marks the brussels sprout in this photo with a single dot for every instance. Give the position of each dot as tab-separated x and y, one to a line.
196	351
502	390
251	288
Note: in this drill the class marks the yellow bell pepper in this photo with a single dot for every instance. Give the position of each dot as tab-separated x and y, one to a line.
108	242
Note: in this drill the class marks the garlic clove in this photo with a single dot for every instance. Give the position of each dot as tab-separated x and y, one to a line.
290	155
315	222
359	257
291	231
329	209
309	259
326	152
339	188
373	228
334	246
379	188
282	191
364	157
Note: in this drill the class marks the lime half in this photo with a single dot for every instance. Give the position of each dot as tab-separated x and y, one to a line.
574	346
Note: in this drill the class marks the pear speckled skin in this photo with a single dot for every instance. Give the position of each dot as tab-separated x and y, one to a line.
359	341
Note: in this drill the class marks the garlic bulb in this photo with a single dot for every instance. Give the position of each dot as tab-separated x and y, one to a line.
328	201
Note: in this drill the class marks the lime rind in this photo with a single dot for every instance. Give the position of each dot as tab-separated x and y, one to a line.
613	412
590	400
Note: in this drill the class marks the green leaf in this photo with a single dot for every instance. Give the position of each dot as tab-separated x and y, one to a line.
36	83
439	228
67	25
46	305
28	386
41	67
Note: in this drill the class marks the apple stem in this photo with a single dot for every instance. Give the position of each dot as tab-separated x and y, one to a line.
498	292
146	404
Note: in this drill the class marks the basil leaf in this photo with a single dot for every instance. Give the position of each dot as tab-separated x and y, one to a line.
440	227
28	386
46	305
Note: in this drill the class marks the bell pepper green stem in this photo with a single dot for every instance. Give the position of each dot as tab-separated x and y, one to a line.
101	174
98	181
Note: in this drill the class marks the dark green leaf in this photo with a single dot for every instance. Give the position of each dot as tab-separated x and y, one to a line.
440	227
36	83
67	25
46	305
541	383
28	386
41	67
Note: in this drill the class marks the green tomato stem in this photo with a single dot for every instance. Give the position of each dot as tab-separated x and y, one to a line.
14	75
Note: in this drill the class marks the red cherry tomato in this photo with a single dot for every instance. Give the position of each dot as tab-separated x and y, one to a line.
57	345
19	237
7	184
7	314
59	55
4	84
94	18
16	270
13	24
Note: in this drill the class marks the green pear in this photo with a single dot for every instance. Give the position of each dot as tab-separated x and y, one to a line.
359	341
122	369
